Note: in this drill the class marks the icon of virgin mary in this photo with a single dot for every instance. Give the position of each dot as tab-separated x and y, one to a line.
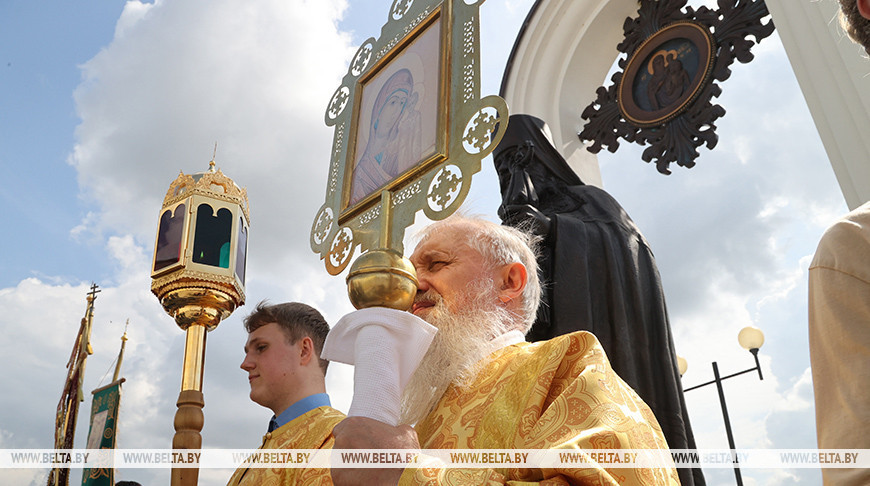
393	145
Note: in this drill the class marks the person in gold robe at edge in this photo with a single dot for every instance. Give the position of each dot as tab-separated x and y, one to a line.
286	374
839	314
481	386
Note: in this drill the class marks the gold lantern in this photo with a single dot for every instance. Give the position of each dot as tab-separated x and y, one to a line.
198	273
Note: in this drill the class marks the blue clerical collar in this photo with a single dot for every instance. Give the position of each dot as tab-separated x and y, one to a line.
299	408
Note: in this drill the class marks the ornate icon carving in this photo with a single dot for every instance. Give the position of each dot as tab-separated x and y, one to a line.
662	95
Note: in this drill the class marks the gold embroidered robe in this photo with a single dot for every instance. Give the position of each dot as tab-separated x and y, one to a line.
311	430
556	394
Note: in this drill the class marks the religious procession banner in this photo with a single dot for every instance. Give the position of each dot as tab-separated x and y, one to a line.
104	417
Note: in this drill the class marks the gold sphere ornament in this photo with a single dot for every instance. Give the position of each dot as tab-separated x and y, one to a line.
206	307
382	278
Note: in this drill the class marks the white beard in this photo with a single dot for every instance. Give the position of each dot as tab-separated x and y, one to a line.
459	350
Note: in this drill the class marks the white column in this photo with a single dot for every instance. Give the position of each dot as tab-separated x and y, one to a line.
565	54
834	75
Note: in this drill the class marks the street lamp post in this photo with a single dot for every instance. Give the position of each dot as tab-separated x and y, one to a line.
750	338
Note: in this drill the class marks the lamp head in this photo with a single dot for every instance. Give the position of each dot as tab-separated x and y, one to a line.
682	365
750	338
198	270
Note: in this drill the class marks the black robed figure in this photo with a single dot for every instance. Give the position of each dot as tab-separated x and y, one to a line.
598	272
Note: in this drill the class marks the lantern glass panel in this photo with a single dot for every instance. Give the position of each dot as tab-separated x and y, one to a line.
241	250
211	241
168	250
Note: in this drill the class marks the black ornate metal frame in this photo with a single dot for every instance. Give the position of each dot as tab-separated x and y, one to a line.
704	43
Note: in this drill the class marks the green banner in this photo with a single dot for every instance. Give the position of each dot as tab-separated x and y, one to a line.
104	419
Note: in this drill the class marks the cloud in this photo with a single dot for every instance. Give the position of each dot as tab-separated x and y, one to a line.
179	77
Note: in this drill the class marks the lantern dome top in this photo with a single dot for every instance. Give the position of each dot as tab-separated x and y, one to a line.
210	183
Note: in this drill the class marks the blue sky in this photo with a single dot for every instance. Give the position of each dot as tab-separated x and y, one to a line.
104	102
41	46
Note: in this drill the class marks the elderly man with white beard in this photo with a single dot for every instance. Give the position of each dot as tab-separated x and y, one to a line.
481	386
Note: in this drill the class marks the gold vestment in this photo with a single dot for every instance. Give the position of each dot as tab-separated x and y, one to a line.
556	394
311	430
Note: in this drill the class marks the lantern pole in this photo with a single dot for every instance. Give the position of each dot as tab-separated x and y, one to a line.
198	276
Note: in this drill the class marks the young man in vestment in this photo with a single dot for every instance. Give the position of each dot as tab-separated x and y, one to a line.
839	314
287	376
481	386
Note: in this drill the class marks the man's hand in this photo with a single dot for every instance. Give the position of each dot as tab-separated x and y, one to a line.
540	223
366	433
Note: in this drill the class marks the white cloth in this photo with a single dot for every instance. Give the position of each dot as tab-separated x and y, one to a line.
385	346
507	339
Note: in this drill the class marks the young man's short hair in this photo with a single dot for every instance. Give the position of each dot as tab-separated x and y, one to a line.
296	319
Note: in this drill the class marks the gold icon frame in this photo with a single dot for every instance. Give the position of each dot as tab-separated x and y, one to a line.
460	129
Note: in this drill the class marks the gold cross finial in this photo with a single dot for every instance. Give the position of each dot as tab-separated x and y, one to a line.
95	289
